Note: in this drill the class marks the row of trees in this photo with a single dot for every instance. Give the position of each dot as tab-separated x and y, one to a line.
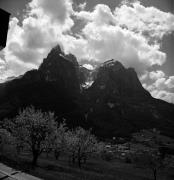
151	157
39	132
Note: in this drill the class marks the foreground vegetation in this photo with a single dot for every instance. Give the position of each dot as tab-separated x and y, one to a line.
49	168
73	153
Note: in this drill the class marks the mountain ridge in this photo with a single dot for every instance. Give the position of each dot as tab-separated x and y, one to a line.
115	104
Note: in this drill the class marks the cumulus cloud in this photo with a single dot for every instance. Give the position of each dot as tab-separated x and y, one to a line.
58	11
154	75
164	95
149	21
30	41
101	14
160	83
2	66
82	6
170	82
144	77
163	83
131	34
104	38
161	86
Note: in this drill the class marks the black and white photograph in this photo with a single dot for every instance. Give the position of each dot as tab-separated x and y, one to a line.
86	89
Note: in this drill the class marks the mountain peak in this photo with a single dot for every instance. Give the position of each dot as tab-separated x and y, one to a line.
115	77
56	49
61	69
115	104
55	57
113	64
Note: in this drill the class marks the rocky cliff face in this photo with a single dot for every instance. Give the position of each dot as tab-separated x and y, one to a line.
115	104
61	69
113	78
118	104
54	86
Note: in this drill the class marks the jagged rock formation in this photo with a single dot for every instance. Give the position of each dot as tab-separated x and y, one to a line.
84	74
123	82
54	86
61	69
115	104
118	105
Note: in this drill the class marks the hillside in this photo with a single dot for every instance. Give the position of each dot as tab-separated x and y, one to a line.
115	104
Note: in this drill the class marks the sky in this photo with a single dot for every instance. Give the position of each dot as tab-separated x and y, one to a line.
138	33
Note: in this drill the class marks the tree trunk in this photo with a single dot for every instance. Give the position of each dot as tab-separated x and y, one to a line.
79	157
79	162
18	150
57	154
35	158
69	159
73	158
155	174
47	154
84	159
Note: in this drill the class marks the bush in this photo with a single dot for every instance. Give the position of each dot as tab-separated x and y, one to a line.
107	156
128	160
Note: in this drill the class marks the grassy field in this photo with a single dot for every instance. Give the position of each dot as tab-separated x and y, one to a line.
95	169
